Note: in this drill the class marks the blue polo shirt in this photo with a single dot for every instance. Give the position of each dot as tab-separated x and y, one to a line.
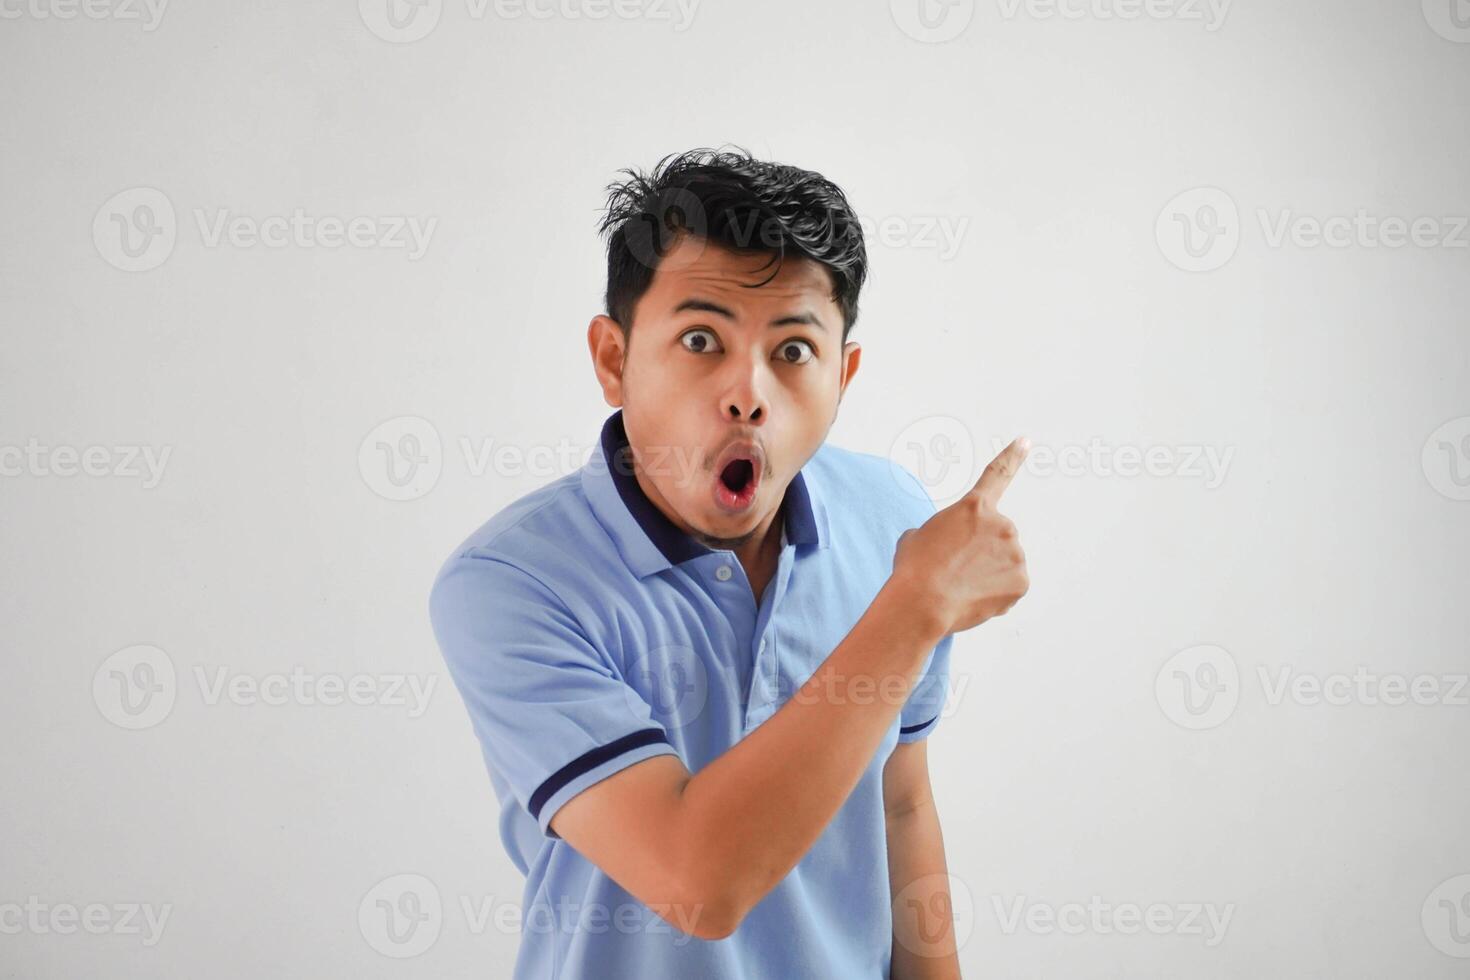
586	633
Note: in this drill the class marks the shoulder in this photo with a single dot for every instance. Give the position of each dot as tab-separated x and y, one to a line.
869	489
539	548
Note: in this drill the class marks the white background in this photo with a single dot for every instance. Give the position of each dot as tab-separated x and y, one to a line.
1075	761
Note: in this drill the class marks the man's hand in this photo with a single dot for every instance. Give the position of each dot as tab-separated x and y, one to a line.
965	564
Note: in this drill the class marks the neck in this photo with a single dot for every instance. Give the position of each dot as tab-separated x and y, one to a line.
753	549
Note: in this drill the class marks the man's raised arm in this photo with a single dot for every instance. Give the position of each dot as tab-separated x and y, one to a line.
702	850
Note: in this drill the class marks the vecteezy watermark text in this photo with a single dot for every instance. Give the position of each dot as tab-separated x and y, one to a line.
1208	464
1210	13
302	230
1205	920
145	463
403	458
406	21
41	918
149	13
136	230
1200	230
937	21
1200	687
403	915
137	687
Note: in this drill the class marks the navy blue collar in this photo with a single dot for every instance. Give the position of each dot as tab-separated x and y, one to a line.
676	546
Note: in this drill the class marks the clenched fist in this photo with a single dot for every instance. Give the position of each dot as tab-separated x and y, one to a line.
965	564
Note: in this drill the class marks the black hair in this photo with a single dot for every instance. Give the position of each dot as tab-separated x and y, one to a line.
734	200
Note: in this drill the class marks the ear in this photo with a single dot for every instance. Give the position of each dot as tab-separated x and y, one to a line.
852	355
608	347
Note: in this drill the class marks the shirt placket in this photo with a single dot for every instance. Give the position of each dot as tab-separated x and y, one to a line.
763	698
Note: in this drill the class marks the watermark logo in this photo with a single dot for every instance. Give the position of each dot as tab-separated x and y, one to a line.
678	212
1446	459
940	451
672	680
404	915
402	458
401	21
135	230
655	232
929	910
932	21
1450	19
1199	229
1199	687
1446	917
401	916
135	687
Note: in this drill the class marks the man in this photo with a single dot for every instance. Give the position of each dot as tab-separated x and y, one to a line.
702	668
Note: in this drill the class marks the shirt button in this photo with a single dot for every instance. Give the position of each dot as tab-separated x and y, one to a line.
723	573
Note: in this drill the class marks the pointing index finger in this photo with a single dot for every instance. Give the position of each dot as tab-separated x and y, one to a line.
1001	470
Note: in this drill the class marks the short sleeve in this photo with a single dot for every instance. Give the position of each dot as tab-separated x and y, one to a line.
920	713
551	711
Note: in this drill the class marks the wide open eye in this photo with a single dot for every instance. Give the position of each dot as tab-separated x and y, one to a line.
698	344
795	351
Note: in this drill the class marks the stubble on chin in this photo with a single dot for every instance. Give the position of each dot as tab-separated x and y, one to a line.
723	544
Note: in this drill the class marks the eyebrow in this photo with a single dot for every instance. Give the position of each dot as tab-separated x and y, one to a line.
796	319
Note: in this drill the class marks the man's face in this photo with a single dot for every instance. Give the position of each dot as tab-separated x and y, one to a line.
726	390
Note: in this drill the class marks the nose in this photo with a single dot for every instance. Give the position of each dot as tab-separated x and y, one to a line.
744	401
742	384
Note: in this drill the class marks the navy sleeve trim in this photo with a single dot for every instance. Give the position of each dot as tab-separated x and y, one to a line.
588	761
911	729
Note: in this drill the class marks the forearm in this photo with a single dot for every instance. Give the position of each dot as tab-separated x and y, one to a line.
750	815
923	918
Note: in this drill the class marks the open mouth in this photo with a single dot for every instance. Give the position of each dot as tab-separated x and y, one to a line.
737	483
738	474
